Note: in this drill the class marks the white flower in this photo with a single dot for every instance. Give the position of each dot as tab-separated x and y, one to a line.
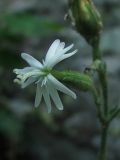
47	85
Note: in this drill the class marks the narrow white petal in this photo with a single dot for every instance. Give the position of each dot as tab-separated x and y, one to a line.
24	70
53	60
31	61
59	86
62	45
60	48
52	49
60	58
28	82
47	98
67	55
39	93
68	48
55	97
58	53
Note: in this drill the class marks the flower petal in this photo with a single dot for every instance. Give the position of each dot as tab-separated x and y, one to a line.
68	48
39	92
31	61
60	58
47	98
67	55
24	70
52	50
56	53
60	48
59	86
55	97
60	51
29	81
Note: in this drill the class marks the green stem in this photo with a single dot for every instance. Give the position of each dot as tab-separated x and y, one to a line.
104	99
102	74
103	145
103	80
96	51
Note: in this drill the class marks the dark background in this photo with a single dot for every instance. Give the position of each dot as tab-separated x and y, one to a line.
73	134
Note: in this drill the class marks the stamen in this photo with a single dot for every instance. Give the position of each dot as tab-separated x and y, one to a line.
44	82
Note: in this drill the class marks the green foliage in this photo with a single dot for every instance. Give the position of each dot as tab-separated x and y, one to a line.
28	25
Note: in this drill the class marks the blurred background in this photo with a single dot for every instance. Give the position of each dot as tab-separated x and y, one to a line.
73	134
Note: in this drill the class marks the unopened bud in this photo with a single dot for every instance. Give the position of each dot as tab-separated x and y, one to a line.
86	18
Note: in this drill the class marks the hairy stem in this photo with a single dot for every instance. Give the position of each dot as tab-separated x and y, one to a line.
104	99
102	72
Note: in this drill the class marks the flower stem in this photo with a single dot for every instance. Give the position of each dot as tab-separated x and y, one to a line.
104	99
103	145
102	72
96	51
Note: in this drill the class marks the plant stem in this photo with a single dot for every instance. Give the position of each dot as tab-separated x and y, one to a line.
102	74
103	145
96	50
104	98
103	80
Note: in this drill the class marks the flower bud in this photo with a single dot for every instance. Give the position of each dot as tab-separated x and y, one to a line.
78	80
86	18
